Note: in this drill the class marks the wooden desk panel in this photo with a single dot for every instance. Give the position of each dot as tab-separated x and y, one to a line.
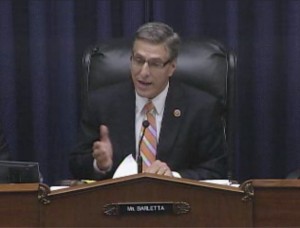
276	203
211	205
19	205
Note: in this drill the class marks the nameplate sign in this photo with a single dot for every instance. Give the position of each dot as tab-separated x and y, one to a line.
142	208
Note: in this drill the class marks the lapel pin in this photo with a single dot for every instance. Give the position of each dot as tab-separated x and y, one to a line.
177	113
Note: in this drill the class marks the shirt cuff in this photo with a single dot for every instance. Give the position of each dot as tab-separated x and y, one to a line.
176	174
96	168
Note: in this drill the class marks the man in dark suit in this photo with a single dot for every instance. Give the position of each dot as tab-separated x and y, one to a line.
187	128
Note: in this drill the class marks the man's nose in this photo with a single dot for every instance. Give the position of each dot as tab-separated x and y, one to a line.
145	70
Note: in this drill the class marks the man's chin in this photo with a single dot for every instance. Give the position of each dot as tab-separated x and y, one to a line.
144	94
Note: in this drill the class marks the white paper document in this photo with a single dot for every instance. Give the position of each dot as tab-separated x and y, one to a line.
127	167
221	182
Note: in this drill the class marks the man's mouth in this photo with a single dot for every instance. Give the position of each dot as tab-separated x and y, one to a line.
144	84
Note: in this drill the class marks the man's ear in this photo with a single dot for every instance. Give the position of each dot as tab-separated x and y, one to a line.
172	67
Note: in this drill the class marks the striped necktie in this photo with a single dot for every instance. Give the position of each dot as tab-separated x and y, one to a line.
149	143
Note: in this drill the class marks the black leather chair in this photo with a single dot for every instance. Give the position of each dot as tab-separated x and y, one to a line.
205	64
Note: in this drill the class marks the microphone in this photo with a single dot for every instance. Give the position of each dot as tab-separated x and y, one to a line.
139	158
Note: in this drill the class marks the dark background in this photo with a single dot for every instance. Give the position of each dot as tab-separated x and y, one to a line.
42	42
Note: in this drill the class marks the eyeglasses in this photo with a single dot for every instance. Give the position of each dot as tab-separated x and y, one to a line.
153	64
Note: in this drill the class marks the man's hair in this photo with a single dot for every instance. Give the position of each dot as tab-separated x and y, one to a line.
159	33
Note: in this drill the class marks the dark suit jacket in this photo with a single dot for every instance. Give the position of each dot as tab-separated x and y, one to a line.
191	144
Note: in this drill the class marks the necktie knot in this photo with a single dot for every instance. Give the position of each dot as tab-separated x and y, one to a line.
149	107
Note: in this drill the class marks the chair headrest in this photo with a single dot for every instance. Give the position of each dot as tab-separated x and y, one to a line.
201	63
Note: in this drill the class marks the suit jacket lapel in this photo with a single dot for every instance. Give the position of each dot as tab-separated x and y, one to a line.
172	119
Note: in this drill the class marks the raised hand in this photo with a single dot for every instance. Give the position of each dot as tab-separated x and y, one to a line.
102	150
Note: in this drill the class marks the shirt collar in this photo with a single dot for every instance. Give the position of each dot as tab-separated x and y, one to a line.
158	101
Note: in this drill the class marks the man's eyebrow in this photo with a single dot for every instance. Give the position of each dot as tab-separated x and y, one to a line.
156	58
152	59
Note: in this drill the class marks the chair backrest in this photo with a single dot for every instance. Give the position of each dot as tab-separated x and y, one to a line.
204	63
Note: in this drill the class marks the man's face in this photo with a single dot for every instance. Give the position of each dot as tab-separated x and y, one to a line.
150	68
